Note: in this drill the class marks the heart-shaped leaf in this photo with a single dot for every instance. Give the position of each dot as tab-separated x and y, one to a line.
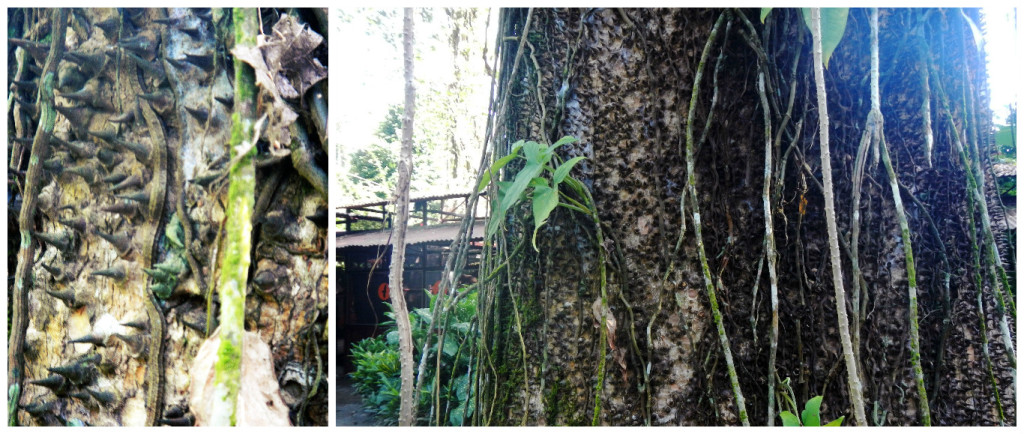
789	419
811	415
833	25
837	422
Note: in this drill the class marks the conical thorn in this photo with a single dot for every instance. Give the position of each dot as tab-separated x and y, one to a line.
40	408
115	272
121	242
123	208
202	61
187	420
130	182
58	384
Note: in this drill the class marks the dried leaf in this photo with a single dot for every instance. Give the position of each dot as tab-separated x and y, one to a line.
259	397
284	70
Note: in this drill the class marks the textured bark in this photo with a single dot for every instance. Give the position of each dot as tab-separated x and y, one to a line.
286	302
620	80
407	409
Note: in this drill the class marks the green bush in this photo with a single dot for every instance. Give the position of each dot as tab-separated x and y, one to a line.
377	375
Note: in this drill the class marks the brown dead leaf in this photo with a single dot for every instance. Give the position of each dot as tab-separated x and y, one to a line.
288	49
259	397
284	70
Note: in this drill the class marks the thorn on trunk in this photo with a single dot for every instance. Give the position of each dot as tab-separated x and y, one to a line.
68	297
139	44
104	398
60	240
141	197
136	343
123	208
129	182
75	223
38	409
108	157
92	338
78	116
228	101
114	178
77	374
202	61
115	272
121	242
187	420
110	26
123	118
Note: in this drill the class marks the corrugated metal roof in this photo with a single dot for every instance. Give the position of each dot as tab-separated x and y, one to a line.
414	235
414	199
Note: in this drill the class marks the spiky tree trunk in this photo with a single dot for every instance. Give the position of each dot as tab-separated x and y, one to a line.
133	202
621	80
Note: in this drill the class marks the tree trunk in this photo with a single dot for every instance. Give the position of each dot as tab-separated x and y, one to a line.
137	183
408	402
621	81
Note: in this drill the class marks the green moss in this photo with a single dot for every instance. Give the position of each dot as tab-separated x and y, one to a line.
245	35
238	226
229	359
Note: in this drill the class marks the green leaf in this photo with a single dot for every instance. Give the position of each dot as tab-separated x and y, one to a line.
450	347
833	25
494	221
461	385
461	327
457	415
764	13
486	178
545	199
789	419
532	151
837	422
811	415
516	146
562	171
563	141
175	232
523	178
162	291
423	313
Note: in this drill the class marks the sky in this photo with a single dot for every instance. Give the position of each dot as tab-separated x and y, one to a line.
1002	43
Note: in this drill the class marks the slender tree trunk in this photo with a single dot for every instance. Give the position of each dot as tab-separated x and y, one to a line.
407	412
853	378
238	229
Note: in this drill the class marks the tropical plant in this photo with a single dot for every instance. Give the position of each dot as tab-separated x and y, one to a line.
543	194
811	416
377	372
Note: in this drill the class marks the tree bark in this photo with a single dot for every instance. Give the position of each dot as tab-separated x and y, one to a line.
408	402
620	80
128	98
